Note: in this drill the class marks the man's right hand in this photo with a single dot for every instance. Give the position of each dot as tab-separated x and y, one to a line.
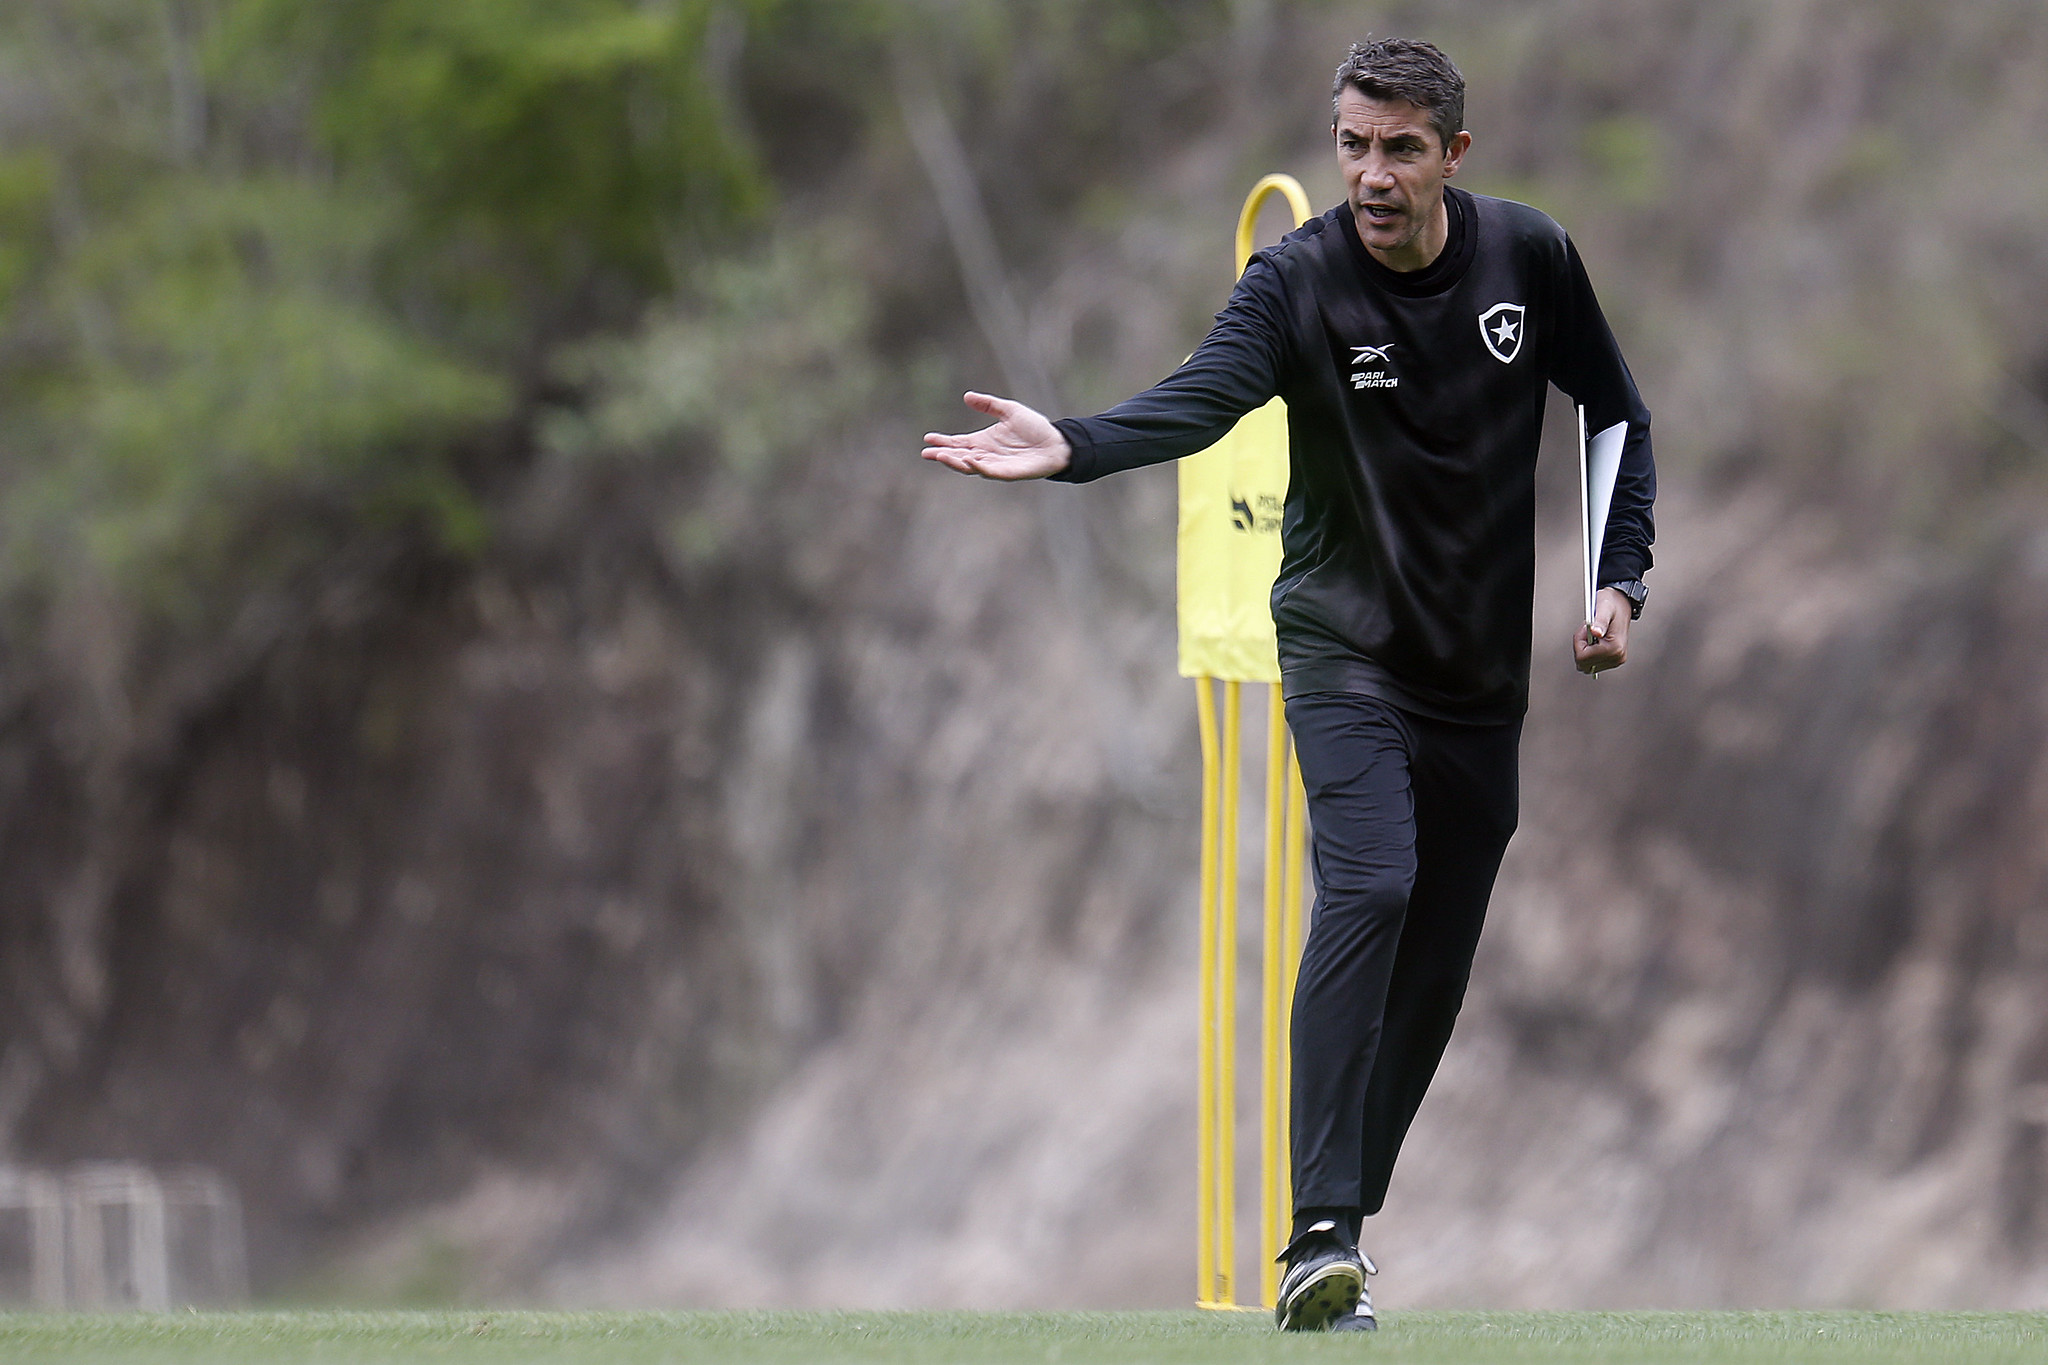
1021	445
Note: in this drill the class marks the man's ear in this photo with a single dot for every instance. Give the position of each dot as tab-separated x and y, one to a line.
1454	153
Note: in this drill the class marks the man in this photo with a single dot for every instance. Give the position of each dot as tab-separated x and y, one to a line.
1412	331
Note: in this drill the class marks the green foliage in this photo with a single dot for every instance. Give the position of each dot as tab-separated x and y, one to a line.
561	137
1630	156
277	274
765	359
239	356
767	362
267	268
24	208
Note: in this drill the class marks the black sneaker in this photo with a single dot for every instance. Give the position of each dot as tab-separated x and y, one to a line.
1360	1319
1325	1280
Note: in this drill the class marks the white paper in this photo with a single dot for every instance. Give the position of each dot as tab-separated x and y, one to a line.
1586	565
1599	467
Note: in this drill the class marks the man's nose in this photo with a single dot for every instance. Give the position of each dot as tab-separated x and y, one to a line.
1378	173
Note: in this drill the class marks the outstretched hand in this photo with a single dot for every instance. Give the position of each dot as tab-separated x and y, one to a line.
1021	444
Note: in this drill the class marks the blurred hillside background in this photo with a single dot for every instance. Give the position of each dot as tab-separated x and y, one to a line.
506	753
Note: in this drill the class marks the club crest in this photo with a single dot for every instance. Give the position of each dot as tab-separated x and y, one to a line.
1501	328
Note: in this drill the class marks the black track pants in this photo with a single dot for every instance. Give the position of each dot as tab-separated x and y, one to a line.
1409	818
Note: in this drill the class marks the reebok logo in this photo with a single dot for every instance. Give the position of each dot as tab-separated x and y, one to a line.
1368	378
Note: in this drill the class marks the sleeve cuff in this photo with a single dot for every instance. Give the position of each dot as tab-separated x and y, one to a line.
1621	566
1081	463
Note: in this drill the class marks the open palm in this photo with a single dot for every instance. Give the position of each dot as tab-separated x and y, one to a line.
1021	444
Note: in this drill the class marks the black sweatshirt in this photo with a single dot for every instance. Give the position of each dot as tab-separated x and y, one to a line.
1414	410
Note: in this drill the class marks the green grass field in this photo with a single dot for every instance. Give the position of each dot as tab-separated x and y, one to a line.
1065	1338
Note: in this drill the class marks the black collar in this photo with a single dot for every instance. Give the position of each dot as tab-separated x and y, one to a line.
1440	274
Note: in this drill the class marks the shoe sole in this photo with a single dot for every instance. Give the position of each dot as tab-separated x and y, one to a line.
1323	1298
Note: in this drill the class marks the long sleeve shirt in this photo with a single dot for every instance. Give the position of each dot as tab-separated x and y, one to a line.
1414	410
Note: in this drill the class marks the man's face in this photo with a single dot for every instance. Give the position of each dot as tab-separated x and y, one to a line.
1394	169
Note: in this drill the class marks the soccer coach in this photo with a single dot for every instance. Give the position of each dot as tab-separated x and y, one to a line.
1412	331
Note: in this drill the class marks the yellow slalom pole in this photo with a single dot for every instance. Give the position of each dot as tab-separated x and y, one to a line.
1226	1004
1288	188
1292	901
1272	1084
1273	1097
1216	1098
1205	1100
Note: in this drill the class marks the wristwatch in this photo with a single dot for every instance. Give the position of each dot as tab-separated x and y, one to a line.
1636	591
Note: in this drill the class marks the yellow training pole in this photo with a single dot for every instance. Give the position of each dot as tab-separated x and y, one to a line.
1226	1003
1273	1084
1205	1098
1288	188
1290	955
1216	1097
1273	1181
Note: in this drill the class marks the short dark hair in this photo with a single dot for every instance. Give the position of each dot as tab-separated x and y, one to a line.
1403	69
